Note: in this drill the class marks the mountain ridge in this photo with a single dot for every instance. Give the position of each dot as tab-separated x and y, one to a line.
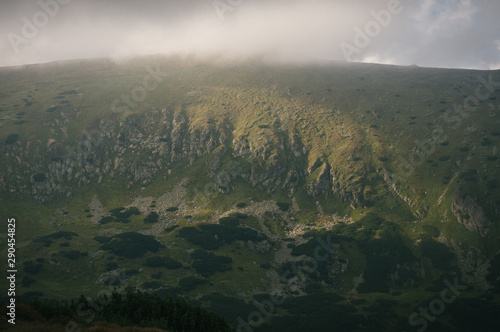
386	159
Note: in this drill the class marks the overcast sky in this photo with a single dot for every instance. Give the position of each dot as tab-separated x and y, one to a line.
430	33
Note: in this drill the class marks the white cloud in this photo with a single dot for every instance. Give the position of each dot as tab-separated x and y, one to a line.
444	17
447	33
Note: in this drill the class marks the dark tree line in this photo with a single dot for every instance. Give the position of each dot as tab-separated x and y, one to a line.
138	309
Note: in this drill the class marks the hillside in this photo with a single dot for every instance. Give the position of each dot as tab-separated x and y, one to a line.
343	195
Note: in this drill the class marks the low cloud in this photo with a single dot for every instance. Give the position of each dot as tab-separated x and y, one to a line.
450	33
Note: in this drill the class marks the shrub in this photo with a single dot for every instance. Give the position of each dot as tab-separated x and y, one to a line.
39	177
112	282
438	252
171	228
229	221
27	281
189	283
492	184
151	218
195	236
485	142
467	173
207	263
283	206
68	92
73	254
11	139
163	261
132	245
102	239
106	220
123	215
47	239
151	285
111	266
32	268
131	272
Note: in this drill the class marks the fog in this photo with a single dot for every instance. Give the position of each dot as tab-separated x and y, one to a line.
431	33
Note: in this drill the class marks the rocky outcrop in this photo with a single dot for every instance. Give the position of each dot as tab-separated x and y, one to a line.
473	265
349	190
407	274
241	146
291	182
139	148
322	183
470	214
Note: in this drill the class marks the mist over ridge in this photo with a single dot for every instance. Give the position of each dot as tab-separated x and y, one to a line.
455	34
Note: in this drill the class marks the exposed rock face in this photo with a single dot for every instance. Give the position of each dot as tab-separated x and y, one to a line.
96	210
349	190
322	182
141	147
241	147
127	148
470	214
291	182
473	265
407	274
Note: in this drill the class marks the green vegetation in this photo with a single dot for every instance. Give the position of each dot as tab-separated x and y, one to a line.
163	261
213	236
347	161
11	139
73	254
283	206
47	240
31	267
131	309
151	218
189	283
207	263
132	245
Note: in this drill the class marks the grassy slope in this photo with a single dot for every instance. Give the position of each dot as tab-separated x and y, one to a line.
371	112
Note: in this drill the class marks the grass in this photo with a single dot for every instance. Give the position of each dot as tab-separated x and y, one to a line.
360	127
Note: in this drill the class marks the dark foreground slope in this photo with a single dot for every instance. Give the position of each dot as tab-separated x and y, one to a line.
356	195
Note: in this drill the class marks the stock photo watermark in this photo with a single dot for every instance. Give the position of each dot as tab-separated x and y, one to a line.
309	266
455	117
11	269
40	19
93	138
437	306
372	29
139	93
90	308
224	6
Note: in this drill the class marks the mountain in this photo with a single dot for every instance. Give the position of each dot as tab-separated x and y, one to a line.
316	197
